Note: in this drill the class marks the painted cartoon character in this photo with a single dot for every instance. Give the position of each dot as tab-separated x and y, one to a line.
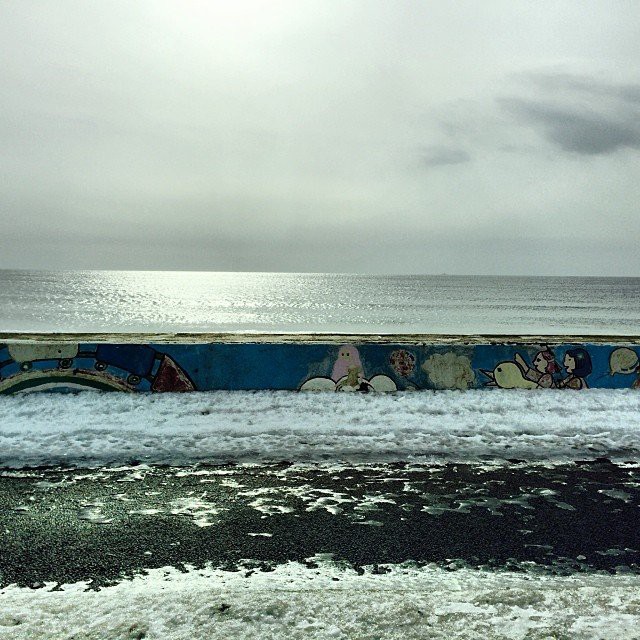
347	360
348	375
625	361
544	366
508	375
577	363
354	382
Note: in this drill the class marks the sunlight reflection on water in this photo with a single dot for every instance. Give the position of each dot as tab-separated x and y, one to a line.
210	301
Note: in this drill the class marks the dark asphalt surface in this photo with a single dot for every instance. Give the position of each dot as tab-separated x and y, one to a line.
68	525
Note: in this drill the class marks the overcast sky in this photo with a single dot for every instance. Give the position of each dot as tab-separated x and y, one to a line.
339	135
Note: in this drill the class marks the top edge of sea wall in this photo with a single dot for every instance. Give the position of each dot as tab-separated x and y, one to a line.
239	337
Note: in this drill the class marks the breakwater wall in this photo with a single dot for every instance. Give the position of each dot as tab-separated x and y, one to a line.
314	362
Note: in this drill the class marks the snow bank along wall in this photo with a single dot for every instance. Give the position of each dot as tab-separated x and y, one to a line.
135	363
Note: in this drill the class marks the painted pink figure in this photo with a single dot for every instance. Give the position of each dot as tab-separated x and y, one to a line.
348	357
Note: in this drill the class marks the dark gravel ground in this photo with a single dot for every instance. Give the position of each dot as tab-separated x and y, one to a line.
66	525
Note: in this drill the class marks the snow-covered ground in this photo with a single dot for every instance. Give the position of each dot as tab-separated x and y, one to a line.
91	429
329	602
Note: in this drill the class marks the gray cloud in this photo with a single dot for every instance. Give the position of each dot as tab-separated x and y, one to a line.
236	135
571	130
440	156
563	81
579	113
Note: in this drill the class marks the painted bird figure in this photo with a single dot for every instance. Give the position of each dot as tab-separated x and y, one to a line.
508	375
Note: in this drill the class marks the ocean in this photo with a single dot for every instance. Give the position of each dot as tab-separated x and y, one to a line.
180	301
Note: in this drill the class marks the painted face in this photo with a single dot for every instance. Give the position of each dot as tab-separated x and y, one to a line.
348	356
569	363
540	363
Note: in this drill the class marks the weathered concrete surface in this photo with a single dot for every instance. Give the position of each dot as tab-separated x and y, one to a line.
99	525
317	362
249	337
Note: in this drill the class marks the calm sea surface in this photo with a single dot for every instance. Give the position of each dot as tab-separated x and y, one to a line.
197	301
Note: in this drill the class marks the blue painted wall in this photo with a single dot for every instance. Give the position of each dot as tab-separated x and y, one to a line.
314	366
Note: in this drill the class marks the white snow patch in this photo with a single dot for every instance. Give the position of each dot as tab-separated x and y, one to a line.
94	429
199	510
329	602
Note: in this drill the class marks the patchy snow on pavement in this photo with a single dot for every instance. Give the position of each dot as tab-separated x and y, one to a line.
329	601
91	429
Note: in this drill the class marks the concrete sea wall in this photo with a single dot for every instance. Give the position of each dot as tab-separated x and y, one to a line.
362	363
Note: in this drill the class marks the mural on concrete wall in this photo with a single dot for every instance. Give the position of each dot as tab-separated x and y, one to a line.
540	373
507	375
462	367
106	367
403	362
347	374
625	361
312	366
577	364
449	371
543	372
